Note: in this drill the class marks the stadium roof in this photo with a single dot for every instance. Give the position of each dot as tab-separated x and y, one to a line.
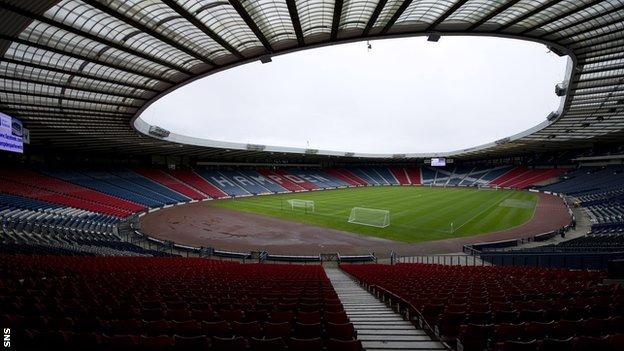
79	72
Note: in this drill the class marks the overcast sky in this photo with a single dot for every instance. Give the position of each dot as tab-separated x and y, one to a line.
403	95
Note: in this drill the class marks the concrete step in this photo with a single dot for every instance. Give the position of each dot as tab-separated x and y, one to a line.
378	327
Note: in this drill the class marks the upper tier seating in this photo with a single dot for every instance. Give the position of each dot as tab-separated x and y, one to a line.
223	183
589	180
170	182
481	306
522	177
191	178
38	186
64	302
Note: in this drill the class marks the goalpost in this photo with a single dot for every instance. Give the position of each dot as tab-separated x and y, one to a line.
370	216
306	205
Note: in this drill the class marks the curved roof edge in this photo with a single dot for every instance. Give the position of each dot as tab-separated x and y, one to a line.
143	127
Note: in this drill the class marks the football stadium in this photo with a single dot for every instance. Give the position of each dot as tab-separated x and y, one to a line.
151	198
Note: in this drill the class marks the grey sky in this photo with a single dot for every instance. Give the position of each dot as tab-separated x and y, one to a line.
404	95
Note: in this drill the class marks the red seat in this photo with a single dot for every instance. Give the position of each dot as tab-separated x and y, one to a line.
567	328
556	344
229	344
191	343
344	345
518	346
156	328
274	330
589	343
616	341
178	315
220	328
272	344
314	344
152	314
232	315
538	330
474	336
281	316
309	317
336	317
308	331
203	315
247	329
120	342
125	327
595	327
155	343
187	328
504	332
344	331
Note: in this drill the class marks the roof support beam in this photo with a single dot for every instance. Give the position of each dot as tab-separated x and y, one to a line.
336	19
201	26
134	23
64	97
251	24
43	82
60	107
90	36
371	22
445	15
610	44
585	20
87	59
560	16
294	17
77	74
396	16
528	14
583	44
493	14
592	29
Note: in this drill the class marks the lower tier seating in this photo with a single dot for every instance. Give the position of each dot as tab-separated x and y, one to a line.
507	308
139	303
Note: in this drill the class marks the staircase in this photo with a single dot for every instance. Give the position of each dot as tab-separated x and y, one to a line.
378	327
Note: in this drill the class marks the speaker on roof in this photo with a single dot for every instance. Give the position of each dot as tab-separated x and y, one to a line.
158	132
561	89
552	116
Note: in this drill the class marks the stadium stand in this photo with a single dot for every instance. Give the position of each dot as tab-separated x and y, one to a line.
192	179
170	182
414	174
477	308
223	183
282	181
347	178
304	184
38	186
171	303
263	181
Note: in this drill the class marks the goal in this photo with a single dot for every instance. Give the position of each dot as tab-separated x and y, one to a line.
370	216
306	205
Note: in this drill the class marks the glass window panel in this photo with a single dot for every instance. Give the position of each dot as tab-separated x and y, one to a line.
222	19
474	10
356	13
272	18
387	12
315	16
424	11
87	18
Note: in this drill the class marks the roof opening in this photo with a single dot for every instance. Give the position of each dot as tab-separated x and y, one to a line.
394	96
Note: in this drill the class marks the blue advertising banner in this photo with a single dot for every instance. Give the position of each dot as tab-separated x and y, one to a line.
11	134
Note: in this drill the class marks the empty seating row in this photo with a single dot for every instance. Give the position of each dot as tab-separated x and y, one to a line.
448	298
133	299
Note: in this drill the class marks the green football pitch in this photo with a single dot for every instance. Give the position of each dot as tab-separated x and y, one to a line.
416	213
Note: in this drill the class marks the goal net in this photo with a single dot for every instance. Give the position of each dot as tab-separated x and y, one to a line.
370	216
306	205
